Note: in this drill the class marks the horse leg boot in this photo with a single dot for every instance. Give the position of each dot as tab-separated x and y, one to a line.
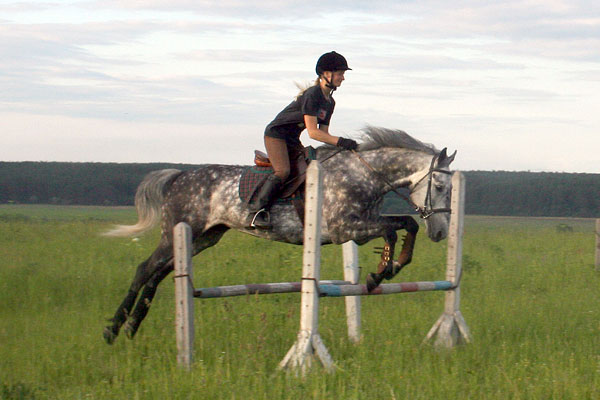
385	269
261	203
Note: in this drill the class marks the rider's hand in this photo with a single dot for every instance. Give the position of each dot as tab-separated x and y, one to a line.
347	144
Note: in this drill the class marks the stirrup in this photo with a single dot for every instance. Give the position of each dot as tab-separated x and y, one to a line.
267	219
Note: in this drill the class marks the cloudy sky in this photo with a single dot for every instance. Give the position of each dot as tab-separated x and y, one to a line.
512	85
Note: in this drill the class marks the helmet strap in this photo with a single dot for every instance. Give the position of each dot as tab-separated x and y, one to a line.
328	82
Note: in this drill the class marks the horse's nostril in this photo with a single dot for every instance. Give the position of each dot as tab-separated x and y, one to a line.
438	237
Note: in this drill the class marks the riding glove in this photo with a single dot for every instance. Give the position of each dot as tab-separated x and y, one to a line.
347	144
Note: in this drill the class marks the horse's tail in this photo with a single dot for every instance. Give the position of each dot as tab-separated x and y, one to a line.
148	201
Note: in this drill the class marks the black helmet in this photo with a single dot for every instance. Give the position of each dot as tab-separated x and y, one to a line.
331	61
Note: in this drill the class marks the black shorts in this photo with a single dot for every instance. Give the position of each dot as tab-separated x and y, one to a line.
289	133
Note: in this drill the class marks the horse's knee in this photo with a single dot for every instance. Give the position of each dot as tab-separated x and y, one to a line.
411	226
391	237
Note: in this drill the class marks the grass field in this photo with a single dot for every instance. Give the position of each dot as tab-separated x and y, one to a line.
530	296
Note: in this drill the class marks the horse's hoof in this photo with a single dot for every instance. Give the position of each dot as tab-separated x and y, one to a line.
372	282
129	330
109	335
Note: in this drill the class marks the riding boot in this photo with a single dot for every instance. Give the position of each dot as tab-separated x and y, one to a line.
261	203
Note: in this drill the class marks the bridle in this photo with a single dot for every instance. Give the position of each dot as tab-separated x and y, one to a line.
427	210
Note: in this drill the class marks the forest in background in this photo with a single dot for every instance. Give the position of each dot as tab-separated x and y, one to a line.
540	194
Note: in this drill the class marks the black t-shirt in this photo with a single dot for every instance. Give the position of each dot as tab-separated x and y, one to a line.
289	123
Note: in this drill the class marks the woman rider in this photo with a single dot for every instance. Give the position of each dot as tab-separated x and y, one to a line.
311	110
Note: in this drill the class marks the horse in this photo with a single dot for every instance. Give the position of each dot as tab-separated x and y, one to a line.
354	185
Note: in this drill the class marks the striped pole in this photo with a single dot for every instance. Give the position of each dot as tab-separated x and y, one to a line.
326	289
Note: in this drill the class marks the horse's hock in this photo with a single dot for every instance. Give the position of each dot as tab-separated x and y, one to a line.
449	330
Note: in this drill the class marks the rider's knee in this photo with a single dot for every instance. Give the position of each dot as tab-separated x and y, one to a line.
282	174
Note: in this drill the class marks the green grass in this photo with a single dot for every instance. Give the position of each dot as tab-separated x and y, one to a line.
529	295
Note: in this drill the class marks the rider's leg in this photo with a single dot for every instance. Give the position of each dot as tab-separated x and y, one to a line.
260	204
277	150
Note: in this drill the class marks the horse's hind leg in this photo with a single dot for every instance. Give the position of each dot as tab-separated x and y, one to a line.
143	274
205	240
143	304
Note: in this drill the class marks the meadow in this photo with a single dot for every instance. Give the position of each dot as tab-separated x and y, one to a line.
530	295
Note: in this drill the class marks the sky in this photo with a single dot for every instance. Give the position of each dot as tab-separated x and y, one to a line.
511	85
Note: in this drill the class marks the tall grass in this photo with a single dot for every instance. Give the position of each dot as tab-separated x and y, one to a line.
530	296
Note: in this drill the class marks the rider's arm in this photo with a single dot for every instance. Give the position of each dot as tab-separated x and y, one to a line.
319	132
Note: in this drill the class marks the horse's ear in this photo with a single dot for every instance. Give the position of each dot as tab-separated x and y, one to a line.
443	154
444	159
451	158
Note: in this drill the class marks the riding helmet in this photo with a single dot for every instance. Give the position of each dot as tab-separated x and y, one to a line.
331	61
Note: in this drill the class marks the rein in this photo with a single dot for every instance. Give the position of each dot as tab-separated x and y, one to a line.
427	210
331	155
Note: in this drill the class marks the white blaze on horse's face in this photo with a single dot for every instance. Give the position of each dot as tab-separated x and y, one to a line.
438	198
441	189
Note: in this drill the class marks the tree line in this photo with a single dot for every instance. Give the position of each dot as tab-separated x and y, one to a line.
548	194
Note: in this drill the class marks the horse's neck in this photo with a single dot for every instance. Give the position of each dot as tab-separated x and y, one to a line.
401	167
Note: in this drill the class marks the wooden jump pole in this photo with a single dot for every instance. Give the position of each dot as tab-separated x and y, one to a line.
451	329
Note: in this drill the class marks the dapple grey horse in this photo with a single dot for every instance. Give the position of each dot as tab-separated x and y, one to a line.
354	185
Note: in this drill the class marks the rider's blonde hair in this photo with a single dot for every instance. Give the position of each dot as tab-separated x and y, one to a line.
304	86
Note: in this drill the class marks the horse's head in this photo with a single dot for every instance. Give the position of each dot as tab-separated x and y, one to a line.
431	194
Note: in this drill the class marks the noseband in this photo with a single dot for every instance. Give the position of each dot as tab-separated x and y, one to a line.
427	210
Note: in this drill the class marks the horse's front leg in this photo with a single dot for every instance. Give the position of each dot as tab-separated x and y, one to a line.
388	268
408	246
385	269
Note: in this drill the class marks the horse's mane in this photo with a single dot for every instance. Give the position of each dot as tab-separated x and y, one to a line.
376	137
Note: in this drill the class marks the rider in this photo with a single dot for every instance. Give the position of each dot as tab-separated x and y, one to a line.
311	110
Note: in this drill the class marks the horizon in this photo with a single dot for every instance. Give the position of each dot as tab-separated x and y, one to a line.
192	164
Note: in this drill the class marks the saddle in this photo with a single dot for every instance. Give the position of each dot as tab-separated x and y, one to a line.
293	190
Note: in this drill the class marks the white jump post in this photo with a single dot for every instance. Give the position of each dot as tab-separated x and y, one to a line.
184	294
309	342
451	329
352	275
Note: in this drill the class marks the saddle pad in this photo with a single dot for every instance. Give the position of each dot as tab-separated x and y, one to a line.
251	179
